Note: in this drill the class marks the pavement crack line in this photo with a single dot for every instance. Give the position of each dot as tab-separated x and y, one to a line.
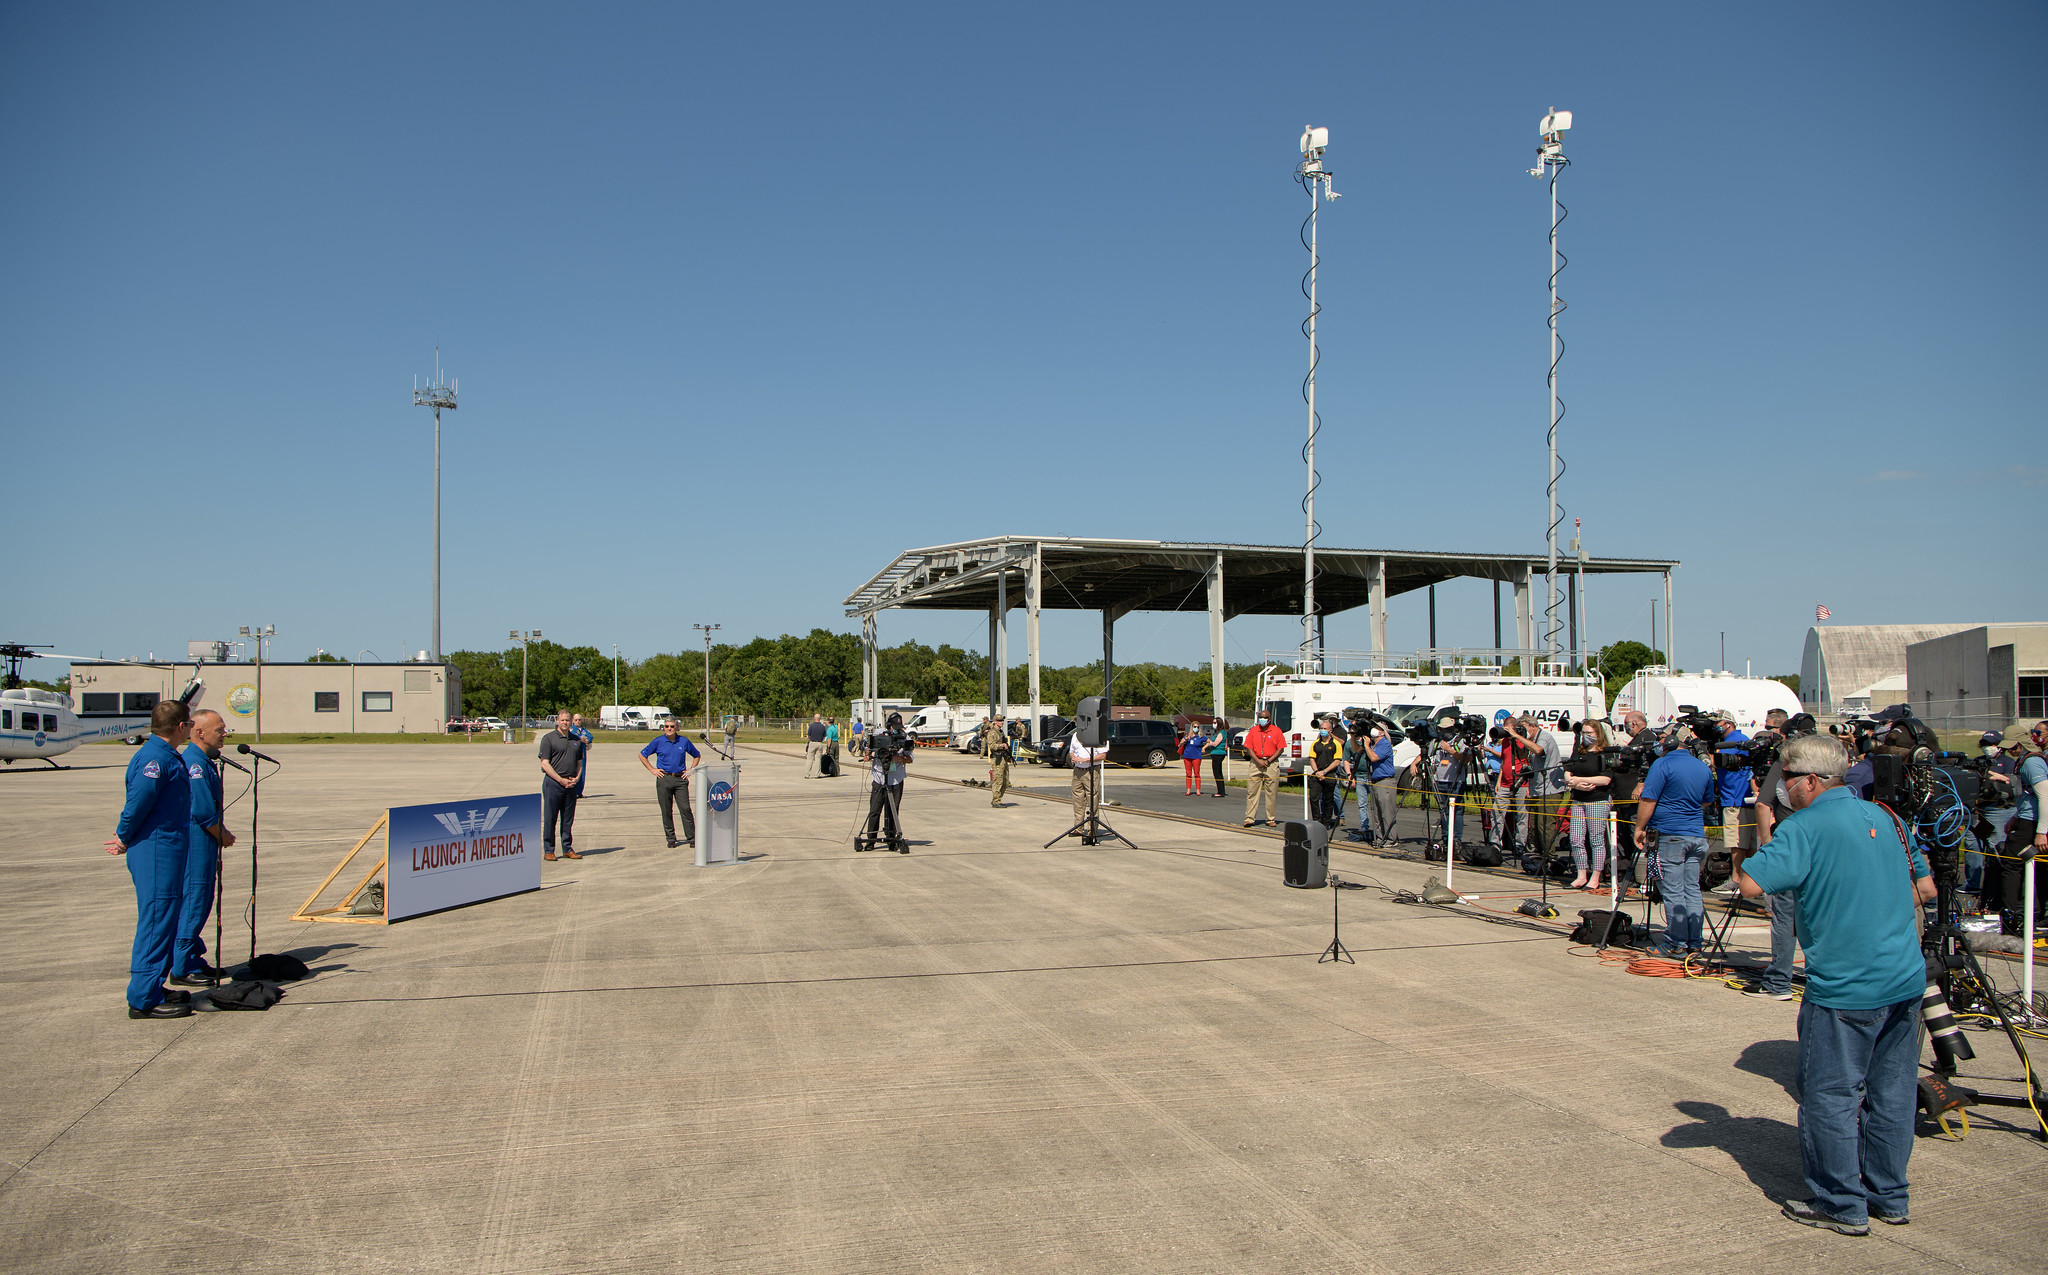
324	1248
117	1087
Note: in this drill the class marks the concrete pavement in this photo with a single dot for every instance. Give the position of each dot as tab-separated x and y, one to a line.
980	1056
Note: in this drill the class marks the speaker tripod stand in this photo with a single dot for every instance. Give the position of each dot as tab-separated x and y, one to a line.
1091	826
1336	951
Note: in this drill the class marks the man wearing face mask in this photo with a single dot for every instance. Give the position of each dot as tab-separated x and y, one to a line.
1326	769
2005	888
1999	802
1262	747
1860	885
1772	810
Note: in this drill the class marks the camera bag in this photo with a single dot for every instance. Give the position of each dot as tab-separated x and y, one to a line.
245	994
1593	921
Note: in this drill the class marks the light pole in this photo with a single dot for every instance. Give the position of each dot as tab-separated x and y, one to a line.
615	680
437	395
1550	161
259	632
1316	181
523	637
708	630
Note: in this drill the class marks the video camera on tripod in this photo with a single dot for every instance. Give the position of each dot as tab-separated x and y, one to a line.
890	742
1467	730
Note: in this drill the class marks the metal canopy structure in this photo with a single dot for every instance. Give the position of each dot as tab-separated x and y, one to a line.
1117	577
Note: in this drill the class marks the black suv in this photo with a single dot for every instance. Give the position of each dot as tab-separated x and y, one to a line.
1131	743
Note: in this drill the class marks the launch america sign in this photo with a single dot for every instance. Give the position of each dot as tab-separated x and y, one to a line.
446	854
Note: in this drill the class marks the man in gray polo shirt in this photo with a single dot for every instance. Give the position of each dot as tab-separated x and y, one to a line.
561	765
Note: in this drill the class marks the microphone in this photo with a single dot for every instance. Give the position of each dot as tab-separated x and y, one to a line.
244	748
237	765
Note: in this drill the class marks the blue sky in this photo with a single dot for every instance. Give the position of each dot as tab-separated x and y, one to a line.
744	302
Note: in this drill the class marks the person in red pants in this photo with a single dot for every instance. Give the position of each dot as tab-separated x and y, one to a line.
1191	746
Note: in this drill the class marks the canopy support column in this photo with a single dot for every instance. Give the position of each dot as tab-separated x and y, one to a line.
1031	584
1216	636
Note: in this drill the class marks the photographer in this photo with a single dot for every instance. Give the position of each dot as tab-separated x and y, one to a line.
1446	771
1086	763
1997	803
1859	885
1508	797
1546	783
1326	769
1589	783
890	751
1383	785
2004	886
1771	810
1737	790
1670	821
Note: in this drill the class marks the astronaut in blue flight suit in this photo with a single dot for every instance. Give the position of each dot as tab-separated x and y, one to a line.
152	833
205	837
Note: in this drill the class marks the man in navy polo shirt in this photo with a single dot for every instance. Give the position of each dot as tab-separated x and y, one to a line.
1669	821
1859	885
669	760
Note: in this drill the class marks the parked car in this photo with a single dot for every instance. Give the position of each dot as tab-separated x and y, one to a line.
491	724
1145	742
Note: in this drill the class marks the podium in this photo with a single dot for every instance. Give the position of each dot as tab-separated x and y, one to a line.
714	793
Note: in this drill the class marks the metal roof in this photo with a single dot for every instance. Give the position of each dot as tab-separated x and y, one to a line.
1122	576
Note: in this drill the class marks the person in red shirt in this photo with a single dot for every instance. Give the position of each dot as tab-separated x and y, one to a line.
1263	744
1505	798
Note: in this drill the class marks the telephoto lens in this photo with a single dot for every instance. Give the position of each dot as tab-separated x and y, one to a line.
1950	1045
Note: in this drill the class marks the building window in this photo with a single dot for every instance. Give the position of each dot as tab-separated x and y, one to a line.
2033	698
138	701
376	701
327	701
418	679
101	702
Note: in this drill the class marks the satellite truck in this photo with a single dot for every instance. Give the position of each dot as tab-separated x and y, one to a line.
1396	687
631	716
1661	695
954	725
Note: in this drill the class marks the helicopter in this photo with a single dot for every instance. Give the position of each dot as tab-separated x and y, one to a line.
40	725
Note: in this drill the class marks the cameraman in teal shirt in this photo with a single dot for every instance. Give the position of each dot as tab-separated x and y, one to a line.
1859	884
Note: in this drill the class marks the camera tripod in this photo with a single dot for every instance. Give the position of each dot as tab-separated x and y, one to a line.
1947	952
1091	826
889	816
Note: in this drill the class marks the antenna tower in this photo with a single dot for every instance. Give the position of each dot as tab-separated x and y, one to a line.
1314	179
1550	162
437	394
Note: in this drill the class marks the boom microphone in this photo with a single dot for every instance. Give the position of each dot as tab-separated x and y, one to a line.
237	765
244	748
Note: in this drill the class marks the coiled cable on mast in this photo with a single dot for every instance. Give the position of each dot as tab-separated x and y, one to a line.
1552	625
1315	418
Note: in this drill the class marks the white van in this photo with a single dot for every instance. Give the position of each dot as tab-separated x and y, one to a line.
1296	699
1659	694
631	716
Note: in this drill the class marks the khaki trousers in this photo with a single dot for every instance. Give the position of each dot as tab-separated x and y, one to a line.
1264	780
1085	779
812	752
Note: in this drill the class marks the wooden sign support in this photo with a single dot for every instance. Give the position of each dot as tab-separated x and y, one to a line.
340	911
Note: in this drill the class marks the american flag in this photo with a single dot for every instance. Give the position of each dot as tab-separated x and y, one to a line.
1820	613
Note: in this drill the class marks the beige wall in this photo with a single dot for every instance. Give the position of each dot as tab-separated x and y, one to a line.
1975	674
422	697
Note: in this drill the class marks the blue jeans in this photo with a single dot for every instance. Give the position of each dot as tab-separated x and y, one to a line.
1858	1085
1784	916
1681	856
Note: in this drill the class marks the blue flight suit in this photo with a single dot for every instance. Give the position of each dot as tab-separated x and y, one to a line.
153	827
582	776
202	861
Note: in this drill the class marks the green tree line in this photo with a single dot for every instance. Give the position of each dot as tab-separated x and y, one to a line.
792	676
